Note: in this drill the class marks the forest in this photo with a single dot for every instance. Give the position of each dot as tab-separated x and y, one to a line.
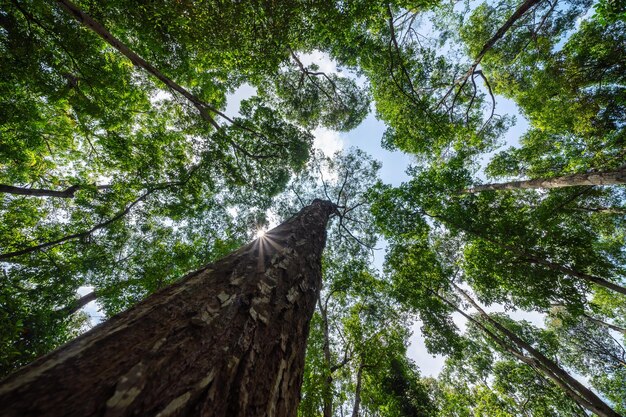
163	173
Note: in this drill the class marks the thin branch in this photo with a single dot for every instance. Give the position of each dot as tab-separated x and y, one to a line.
519	12
493	99
79	235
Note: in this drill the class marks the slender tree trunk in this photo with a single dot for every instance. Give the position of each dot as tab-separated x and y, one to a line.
101	31
569	271
536	259
357	390
605	210
80	303
574	180
570	384
327	395
605	324
79	235
502	30
226	340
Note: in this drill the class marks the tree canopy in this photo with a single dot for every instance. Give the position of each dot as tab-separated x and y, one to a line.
123	166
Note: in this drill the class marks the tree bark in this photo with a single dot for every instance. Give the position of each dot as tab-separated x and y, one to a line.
574	180
226	340
39	192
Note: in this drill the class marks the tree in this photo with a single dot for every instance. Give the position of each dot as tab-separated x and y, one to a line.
167	354
112	174
574	180
430	289
591	350
121	170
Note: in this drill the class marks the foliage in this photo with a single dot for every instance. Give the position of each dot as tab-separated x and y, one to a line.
112	179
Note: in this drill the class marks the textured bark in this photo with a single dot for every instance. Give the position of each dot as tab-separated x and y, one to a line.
226	340
580	393
574	180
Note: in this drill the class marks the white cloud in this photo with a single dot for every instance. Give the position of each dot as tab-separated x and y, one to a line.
429	365
233	101
321	59
328	141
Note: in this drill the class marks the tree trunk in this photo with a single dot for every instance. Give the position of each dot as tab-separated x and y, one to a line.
39	192
79	235
80	303
536	259
78	14
606	324
574	180
226	340
327	395
502	30
357	391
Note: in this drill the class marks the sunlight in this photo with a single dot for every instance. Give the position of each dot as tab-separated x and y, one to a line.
260	233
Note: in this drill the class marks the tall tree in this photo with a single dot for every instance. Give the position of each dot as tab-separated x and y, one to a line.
573	180
193	347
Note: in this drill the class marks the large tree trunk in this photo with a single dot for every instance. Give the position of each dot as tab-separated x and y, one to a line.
591	178
226	340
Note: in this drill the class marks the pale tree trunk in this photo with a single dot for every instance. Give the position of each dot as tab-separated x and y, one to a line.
606	324
80	303
539	260
327	395
357	390
516	345
574	180
226	340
